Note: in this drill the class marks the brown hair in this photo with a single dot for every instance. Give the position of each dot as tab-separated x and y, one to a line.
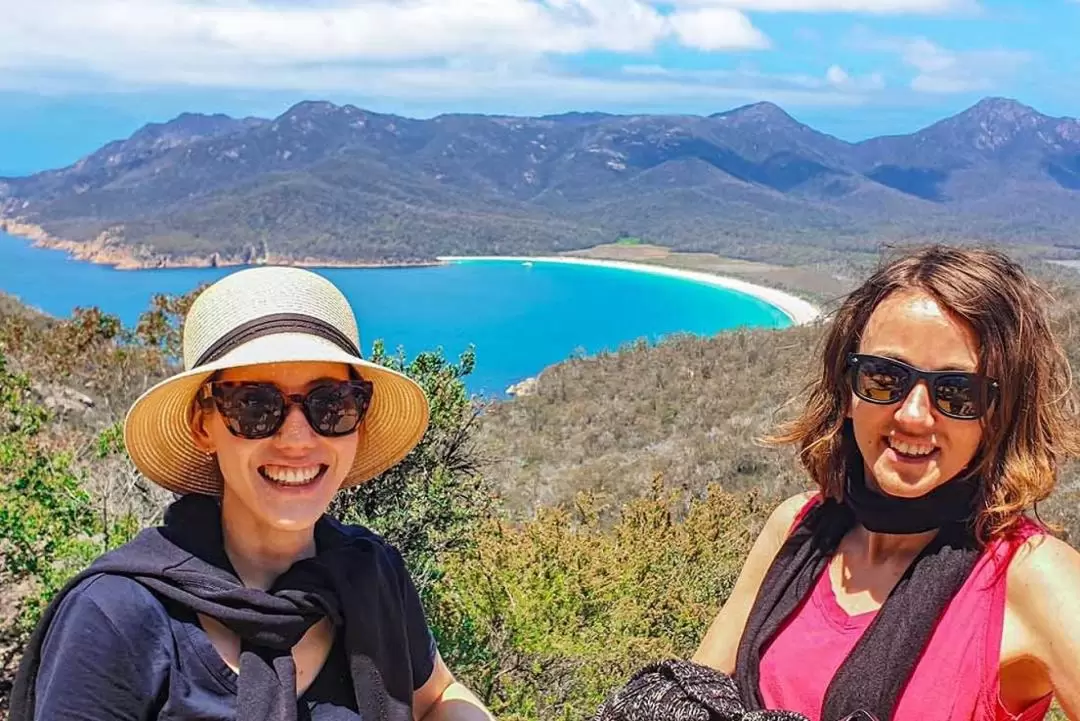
1031	426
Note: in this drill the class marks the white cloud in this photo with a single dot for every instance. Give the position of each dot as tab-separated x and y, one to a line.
835	83
511	52
837	77
652	86
188	39
438	50
218	42
524	87
361	30
939	70
712	29
869	7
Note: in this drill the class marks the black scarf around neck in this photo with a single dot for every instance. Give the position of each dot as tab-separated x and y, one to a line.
350	581
874	674
948	504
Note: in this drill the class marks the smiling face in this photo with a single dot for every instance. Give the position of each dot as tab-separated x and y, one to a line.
910	447
284	482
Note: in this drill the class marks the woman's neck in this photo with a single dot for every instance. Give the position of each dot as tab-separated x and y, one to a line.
257	552
877	548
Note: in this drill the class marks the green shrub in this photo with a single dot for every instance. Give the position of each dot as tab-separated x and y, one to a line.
551	615
50	527
430	503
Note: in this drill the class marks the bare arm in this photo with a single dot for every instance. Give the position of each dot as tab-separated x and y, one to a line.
443	698
1044	596
721	643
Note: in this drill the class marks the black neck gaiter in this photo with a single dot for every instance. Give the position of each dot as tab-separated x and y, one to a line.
949	503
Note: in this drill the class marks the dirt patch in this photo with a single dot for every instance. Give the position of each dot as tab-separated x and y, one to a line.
811	282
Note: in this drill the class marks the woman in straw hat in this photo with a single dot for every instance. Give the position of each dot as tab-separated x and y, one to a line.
249	602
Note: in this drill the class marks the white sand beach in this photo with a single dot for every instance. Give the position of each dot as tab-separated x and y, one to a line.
798	310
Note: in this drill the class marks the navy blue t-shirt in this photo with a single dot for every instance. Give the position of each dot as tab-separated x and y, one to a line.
114	650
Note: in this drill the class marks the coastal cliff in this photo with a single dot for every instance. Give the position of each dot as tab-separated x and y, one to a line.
108	248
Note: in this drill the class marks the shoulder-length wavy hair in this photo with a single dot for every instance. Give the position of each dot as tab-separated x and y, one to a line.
1031	427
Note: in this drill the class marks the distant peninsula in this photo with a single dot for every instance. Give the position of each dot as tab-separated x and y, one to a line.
108	250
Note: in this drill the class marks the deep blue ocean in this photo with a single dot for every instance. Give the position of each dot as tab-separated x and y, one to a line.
520	318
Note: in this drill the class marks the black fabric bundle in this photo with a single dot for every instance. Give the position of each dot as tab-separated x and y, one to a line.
677	690
184	561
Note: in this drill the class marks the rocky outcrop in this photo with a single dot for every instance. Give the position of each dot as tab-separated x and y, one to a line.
527	387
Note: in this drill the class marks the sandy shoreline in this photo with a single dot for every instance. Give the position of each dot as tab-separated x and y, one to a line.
799	311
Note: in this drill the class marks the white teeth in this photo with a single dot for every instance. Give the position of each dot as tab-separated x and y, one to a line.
291	476
911	449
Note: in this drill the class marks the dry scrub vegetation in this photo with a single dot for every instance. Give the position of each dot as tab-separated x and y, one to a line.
688	409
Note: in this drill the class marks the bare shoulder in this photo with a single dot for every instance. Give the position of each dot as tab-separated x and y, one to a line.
783	516
778	527
791	506
1043	611
1045	571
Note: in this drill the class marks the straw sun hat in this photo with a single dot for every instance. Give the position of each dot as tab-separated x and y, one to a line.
257	316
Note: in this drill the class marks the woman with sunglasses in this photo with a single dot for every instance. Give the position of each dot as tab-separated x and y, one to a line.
910	585
249	602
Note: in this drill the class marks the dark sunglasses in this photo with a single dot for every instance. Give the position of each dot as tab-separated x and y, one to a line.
257	410
956	394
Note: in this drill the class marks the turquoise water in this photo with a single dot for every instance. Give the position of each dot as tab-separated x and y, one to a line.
520	318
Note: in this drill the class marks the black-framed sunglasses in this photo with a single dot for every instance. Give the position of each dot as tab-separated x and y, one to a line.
956	394
257	410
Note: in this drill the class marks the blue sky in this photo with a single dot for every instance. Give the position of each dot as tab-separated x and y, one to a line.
76	74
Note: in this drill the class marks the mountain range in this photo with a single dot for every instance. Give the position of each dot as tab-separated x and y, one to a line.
330	182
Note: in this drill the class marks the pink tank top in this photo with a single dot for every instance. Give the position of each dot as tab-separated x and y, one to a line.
955	680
